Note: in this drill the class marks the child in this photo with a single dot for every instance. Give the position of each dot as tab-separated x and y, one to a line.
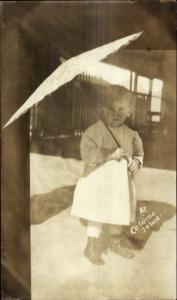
106	141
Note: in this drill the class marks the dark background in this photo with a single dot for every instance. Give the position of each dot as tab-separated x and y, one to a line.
34	36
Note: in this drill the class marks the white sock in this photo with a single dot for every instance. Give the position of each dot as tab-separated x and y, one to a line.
94	229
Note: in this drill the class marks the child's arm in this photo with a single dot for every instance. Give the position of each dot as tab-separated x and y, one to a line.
91	153
138	153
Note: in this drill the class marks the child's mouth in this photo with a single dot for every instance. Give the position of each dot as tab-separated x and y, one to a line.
117	119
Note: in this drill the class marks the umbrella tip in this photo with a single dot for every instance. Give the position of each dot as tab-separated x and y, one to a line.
140	33
7	123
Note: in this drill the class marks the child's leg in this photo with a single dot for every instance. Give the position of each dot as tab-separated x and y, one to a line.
115	229
117	244
92	250
94	229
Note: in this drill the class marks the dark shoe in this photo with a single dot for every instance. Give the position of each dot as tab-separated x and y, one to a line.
131	242
92	251
118	246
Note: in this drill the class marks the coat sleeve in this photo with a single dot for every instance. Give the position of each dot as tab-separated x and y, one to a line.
91	153
138	152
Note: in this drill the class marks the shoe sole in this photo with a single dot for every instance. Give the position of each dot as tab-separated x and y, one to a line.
99	263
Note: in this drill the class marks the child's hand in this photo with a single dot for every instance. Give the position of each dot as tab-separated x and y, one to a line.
118	154
133	165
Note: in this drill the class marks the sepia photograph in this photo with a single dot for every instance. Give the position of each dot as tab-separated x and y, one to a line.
88	150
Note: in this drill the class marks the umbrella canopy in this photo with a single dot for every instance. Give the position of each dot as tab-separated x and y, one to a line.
69	70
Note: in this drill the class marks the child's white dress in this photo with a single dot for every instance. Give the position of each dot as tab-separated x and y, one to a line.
106	194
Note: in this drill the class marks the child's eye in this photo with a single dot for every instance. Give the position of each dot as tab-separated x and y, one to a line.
110	109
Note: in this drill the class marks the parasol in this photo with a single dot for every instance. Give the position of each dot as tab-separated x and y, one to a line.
69	69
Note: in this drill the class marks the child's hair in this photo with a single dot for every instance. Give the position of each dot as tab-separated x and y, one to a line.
112	93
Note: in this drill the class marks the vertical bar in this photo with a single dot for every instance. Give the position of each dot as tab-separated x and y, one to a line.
134	102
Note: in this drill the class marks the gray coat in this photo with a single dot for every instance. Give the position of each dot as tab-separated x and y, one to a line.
97	143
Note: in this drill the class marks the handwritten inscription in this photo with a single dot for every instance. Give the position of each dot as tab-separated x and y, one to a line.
146	222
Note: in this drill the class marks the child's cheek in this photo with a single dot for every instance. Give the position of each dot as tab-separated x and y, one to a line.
108	117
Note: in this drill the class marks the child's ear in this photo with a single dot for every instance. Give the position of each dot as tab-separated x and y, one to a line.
128	112
101	111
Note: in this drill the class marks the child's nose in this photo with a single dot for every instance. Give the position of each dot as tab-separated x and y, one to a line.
117	112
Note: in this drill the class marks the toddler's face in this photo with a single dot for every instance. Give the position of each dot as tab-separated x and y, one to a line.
116	113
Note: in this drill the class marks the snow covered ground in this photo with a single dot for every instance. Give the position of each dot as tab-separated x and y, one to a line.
60	271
